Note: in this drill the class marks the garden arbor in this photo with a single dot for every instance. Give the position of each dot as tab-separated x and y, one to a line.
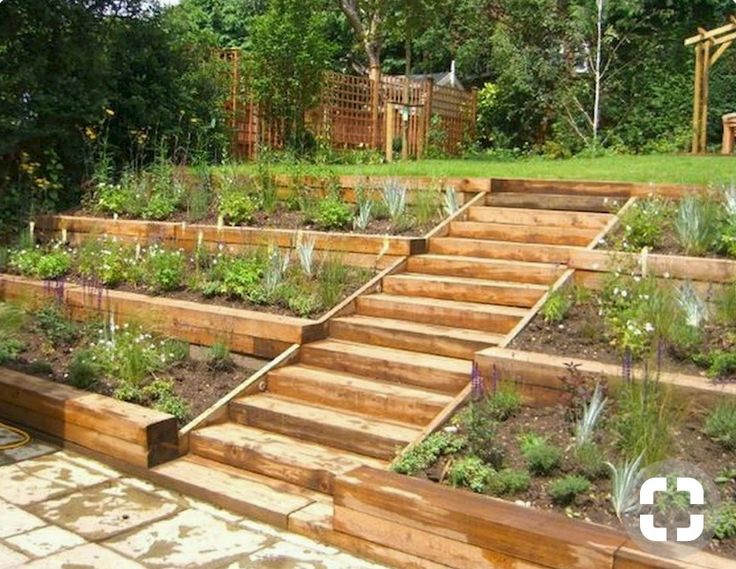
709	47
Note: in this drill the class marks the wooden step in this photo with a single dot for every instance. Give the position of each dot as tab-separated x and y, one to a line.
301	463
472	315
357	394
480	268
348	431
556	202
523	233
447	375
504	250
417	337
539	217
246	493
464	289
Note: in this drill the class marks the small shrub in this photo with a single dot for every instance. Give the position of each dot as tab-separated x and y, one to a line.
55	326
10	347
219	357
723	521
480	430
305	252
106	262
426	205
83	371
592	411
424	454
303	304
164	270
394	198
363	219
644	223
720	425
12	318
236	207
39	264
161	203
557	305
719	363
541	456
333	278
40	367
563	491
696	224
504	403
589	461
161	392
624	480
508	482
332	213
470	472
235	277
725	303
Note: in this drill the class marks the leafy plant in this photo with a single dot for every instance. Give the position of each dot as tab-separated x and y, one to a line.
504	403
563	491
236	207
508	482
219	358
394	198
725	304
480	430
541	456
425	453
55	326
332	213
10	348
363	219
694	309
451	203
644	224
163	269
426	205
275	270
470	472
719	363
83	370
305	252
106	262
624	480
332	280
696	224
720	425
592	411
233	276
36	263
723	521
590	461
557	305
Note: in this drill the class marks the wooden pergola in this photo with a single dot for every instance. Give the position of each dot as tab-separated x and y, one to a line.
709	47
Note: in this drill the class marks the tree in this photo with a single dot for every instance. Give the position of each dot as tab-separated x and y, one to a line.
367	17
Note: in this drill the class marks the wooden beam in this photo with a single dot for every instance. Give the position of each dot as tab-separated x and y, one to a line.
697	96
705	35
704	98
721	50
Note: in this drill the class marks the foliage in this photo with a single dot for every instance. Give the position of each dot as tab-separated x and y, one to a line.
159	392
470	472
12	320
394	198
646	417
592	411
719	363
55	326
644	224
503	403
236	207
451	203
696	224
219	357
363	219
233	276
508	482
331	280
83	370
541	456
720	425
624	479
426	205
333	213
35	262
107	262
10	348
579	389
425	453
589	460
559	303
163	269
563	491
723	521
480	429
305	252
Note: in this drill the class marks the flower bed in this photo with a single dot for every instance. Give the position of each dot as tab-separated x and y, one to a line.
126	362
301	282
556	457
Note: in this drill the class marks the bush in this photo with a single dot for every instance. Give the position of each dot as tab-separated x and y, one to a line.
471	472
504	403
424	454
508	482
589	461
219	357
83	371
332	281
723	521
644	223
697	224
557	305
332	213
719	363
55	326
39	264
10	348
163	270
236	207
233	276
480	430
563	491
106	262
541	456
720	425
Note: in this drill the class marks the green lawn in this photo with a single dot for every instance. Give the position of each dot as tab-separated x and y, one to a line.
656	168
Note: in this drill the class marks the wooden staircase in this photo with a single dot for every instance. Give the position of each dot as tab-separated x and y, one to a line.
386	371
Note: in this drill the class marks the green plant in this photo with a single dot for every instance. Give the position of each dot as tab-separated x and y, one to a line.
55	326
83	370
394	198
163	269
725	304
719	363
451	203
107	262
12	318
303	303
40	367
644	223
198	199
236	207
333	213
219	358
557	305
425	453
305	252
723	521
720	425
36	263
470	472
563	491
161	203
161	392
504	403
426	205
541	456
480	430
646	416
592	411
233	276
333	278
696	224
508	482
589	460
624	480
10	348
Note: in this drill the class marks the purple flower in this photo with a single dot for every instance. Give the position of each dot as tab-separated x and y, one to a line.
478	387
627	366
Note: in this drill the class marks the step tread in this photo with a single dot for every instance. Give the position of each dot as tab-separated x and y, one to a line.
262	498
329	417
525	228
401	326
542	217
283	448
451	304
485	261
466	281
372	386
441	363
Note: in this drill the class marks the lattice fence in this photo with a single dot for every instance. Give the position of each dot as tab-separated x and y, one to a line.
345	115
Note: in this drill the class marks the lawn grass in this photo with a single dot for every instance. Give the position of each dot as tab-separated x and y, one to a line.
680	169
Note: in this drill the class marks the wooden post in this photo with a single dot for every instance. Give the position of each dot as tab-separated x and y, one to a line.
473	112
390	111
375	76
697	98
428	101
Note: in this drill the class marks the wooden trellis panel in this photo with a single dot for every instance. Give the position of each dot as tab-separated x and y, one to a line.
456	110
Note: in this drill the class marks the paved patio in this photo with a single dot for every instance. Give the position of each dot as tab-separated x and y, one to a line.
59	509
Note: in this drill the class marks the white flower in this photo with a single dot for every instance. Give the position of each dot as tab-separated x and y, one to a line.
649	327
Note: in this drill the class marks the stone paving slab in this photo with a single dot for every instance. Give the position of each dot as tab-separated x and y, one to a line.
54	503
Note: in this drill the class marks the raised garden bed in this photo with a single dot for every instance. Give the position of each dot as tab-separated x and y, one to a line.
116	360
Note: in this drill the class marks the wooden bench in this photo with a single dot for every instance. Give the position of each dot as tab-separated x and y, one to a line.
129	433
729	133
